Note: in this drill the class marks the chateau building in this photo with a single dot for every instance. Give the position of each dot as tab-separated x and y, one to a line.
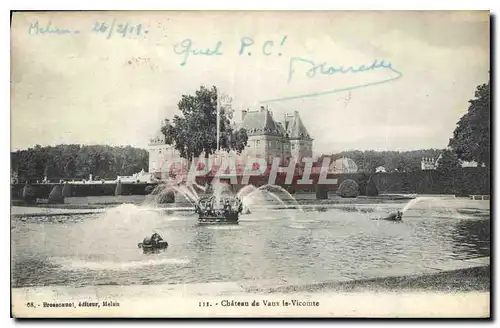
268	138
432	164
429	163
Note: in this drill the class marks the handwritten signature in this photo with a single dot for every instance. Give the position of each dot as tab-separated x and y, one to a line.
325	69
314	69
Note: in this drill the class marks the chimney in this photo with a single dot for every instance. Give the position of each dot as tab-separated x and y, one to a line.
243	114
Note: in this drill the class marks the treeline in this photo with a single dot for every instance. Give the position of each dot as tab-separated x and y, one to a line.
77	162
392	161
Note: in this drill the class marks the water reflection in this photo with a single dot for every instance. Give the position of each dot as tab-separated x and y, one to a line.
312	246
472	238
203	240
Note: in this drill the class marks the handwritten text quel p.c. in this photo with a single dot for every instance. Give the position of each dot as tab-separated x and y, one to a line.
187	48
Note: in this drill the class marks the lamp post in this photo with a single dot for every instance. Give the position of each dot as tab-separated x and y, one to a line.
223	103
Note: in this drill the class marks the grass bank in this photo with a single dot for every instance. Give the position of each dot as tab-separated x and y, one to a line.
463	280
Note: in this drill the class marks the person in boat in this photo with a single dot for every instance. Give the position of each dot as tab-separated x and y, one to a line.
227	207
240	206
156	238
210	211
398	216
198	209
206	209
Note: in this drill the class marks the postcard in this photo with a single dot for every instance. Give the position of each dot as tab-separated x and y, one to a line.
250	164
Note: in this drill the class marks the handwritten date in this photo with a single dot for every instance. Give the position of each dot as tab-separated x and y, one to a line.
123	29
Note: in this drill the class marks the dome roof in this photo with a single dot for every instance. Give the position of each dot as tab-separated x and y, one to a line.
343	165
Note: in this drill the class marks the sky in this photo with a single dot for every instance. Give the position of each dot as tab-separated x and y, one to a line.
89	87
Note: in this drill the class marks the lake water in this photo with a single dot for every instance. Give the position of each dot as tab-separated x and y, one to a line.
309	246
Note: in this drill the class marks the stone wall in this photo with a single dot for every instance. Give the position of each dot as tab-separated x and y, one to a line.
460	182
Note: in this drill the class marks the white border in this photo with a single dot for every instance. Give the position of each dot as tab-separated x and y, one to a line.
250	5
183	5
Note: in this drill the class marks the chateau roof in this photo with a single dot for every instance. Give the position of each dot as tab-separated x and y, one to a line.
296	129
281	128
261	123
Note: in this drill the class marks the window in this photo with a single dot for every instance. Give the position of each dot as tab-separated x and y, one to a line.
269	144
257	144
293	146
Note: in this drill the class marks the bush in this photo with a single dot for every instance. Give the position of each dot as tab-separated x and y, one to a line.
56	196
348	189
321	191
66	190
118	189
17	202
29	194
362	183
371	188
149	189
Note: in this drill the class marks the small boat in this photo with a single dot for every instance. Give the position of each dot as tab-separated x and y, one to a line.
159	245
153	242
398	216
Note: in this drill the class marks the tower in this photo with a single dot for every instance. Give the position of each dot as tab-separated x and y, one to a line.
161	155
299	138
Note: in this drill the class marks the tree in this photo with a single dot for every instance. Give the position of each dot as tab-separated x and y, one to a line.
118	189
368	160
56	195
471	138
447	161
66	190
362	182
195	132
29	194
348	189
75	161
371	187
321	191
